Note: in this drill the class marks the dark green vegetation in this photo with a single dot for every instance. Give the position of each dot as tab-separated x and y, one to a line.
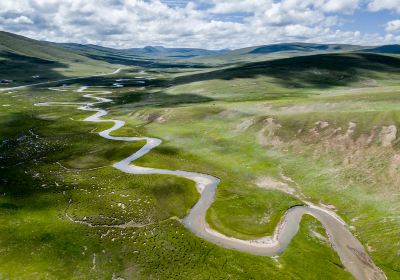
318	71
25	61
393	49
149	52
52	167
324	125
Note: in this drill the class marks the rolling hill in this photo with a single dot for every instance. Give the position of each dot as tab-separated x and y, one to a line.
179	53
392	49
143	57
277	127
150	52
12	43
297	47
277	51
24	60
321	70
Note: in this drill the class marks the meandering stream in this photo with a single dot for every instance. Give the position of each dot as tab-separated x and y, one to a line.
350	250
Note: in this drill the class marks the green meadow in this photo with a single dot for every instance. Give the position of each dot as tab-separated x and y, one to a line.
325	125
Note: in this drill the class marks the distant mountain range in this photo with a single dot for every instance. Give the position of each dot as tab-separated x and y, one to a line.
175	52
150	51
61	51
393	49
303	47
27	56
160	51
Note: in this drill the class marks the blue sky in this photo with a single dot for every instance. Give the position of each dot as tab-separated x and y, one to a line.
361	19
369	22
212	24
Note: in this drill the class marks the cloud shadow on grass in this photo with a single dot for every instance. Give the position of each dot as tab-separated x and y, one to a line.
21	68
315	71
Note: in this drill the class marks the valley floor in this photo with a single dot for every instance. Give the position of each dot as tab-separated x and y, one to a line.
272	146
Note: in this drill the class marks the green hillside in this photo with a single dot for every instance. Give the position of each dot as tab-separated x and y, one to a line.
297	127
277	51
323	70
22	58
392	49
168	58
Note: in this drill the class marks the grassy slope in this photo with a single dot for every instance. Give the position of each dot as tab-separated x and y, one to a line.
39	242
22	58
337	89
317	71
201	122
275	51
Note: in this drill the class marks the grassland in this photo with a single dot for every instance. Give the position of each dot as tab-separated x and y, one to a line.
279	119
27	61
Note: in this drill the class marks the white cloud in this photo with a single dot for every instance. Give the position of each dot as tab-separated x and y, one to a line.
19	20
249	6
288	12
329	6
23	20
379	5
203	23
342	6
393	26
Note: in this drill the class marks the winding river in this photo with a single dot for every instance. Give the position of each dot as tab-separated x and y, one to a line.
350	250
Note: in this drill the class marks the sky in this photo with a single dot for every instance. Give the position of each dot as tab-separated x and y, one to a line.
211	24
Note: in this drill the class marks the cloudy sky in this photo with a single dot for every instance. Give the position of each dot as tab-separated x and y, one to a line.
213	24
